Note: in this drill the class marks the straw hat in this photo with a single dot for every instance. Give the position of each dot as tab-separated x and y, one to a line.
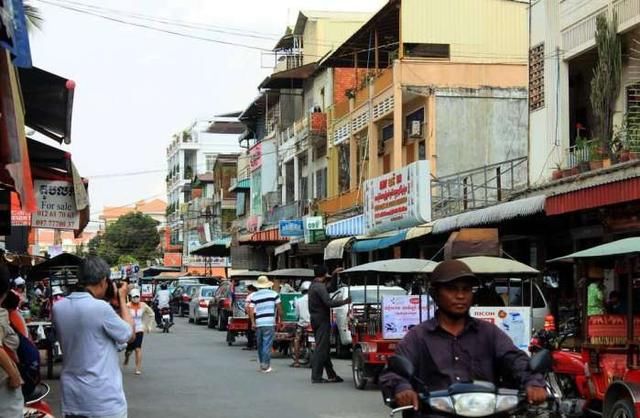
263	282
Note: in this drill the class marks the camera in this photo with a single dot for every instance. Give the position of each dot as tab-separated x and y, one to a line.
110	293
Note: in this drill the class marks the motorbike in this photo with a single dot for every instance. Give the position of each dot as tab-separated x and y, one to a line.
567	380
307	346
166	320
473	399
35	406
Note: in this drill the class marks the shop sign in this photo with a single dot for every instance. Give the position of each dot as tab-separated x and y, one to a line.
291	228
314	229
288	303
254	223
400	313
56	205
314	223
513	321
20	218
255	157
400	199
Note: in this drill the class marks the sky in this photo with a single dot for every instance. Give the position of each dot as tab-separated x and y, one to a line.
136	87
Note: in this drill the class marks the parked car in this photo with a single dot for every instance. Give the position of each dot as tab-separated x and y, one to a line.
181	281
340	315
199	303
221	306
181	297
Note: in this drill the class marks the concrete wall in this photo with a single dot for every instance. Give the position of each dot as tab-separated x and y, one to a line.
269	166
479	127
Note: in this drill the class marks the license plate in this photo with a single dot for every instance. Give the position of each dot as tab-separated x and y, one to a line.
312	339
166	316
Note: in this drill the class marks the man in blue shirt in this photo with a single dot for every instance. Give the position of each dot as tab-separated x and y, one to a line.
90	332
265	314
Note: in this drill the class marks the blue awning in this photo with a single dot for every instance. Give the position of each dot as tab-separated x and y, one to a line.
347	227
244	184
373	244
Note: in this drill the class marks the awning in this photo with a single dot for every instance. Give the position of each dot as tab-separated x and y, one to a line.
395	265
491	215
244	184
594	197
335	249
619	247
349	227
373	244
289	79
419	231
281	249
220	247
268	237
48	101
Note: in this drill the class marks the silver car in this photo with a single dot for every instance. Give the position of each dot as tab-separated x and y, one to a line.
199	303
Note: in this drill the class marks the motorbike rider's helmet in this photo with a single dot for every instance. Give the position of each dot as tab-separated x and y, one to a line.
304	287
163	286
56	291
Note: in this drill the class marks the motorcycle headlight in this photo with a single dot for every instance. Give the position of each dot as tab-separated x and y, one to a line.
475	404
506	402
442	404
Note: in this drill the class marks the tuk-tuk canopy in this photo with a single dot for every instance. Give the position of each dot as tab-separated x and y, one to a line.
291	273
619	247
237	274
497	266
63	262
396	265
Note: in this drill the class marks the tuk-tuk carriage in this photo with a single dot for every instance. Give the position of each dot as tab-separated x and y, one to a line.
608	379
147	288
230	298
387	300
286	282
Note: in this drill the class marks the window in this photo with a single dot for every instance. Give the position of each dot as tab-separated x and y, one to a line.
304	188
633	116
210	160
422	150
321	183
387	132
536	77
427	50
344	173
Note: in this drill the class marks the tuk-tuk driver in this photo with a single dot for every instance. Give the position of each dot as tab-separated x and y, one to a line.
452	347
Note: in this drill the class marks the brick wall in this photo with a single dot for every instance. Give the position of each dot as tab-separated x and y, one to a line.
345	79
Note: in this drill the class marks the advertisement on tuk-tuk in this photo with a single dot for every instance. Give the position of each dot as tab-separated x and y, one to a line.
146	290
400	313
287	300
514	321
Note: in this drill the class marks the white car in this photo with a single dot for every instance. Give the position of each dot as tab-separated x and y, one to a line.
340	315
199	303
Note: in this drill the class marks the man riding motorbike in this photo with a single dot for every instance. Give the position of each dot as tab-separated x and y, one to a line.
162	300
453	347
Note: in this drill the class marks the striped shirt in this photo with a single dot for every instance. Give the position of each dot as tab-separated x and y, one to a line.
263	303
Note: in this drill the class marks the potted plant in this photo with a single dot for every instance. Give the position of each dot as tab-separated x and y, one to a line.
595	157
556	174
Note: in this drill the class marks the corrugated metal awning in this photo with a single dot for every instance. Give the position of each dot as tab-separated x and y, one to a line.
335	249
419	231
593	197
490	215
347	227
373	244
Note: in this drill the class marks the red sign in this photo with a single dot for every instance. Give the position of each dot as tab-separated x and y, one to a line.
20	218
255	157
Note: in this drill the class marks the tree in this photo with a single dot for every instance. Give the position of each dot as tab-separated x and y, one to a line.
134	235
605	84
34	18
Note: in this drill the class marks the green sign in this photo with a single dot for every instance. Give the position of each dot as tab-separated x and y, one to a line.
289	307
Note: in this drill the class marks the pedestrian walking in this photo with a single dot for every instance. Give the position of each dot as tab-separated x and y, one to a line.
11	399
265	313
251	334
320	305
142	316
90	333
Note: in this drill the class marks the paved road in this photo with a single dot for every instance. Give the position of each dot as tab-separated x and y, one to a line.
192	373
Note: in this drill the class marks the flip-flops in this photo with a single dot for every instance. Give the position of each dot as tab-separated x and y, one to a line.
295	365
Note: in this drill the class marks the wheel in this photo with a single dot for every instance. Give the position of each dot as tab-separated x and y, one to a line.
196	318
342	351
623	408
180	311
357	365
210	323
222	320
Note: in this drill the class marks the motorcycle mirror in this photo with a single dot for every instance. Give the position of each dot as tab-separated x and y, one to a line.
541	362
401	366
551	282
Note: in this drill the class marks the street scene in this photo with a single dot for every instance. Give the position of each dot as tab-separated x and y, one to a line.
319	208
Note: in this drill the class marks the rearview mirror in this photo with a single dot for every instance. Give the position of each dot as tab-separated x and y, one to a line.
541	362
551	282
401	366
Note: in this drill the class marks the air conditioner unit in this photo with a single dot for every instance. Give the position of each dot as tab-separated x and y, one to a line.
416	129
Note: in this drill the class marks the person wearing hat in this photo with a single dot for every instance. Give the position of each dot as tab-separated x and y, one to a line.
264	313
11	399
20	287
453	347
142	316
320	305
90	333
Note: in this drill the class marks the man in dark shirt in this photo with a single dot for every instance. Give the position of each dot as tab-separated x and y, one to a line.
320	311
452	347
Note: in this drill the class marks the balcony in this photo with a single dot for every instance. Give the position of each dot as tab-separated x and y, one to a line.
342	202
294	210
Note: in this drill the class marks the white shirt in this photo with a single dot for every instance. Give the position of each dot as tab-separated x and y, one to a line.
302	310
164	297
8	338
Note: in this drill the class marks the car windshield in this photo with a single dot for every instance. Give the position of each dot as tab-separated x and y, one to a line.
357	295
207	292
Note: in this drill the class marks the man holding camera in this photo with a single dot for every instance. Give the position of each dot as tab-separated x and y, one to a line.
90	332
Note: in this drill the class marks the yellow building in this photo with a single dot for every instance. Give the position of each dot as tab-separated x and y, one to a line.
438	80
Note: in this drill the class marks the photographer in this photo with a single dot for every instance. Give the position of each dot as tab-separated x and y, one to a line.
90	332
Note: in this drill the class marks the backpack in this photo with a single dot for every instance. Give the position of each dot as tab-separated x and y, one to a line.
28	364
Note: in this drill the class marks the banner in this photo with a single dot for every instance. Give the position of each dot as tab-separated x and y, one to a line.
56	205
514	321
291	228
400	313
288	303
400	199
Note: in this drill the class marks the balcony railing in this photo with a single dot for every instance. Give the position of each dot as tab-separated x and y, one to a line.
341	202
477	188
294	210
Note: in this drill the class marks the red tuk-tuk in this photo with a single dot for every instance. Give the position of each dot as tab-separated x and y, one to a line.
238	320
372	324
609	377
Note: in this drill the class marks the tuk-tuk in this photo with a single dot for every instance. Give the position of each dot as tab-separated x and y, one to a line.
609	379
286	282
387	300
230	298
147	288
